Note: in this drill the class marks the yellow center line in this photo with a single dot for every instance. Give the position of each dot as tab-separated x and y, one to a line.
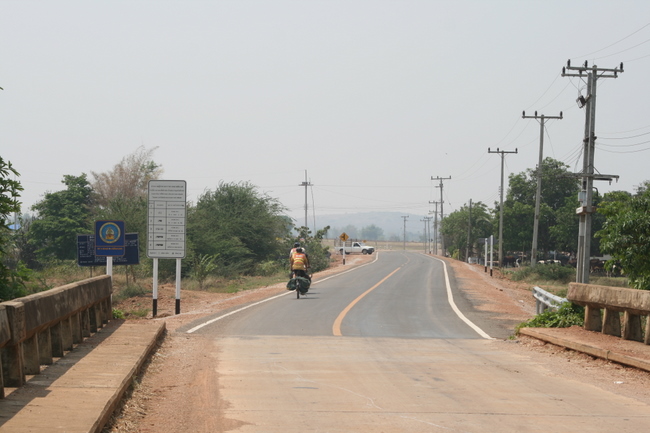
336	328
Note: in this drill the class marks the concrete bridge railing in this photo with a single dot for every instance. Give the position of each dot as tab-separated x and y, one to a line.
633	304
39	327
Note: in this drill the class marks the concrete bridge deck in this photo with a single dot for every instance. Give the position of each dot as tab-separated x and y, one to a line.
79	392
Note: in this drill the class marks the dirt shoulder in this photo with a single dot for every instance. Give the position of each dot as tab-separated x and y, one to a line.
169	384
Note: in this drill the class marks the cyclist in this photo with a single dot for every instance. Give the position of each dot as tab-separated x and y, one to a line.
299	262
293	250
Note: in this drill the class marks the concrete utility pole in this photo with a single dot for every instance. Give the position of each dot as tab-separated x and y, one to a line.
502	152
538	194
427	233
442	213
405	218
306	184
435	227
429	238
586	208
469	230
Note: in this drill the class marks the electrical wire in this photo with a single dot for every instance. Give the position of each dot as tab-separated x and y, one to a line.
611	45
623	138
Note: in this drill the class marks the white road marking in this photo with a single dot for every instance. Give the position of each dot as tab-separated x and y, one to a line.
450	298
211	321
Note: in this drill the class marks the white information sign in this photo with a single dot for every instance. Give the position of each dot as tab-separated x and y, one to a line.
166	219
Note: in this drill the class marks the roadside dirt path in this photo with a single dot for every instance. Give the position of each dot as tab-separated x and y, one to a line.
185	366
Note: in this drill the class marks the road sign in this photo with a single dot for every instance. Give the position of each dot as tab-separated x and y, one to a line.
86	251
344	237
166	219
109	238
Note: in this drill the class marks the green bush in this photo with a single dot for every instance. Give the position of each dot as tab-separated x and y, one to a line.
268	268
567	315
554	272
204	266
542	272
130	291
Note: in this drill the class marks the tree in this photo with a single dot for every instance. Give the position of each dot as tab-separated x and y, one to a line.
626	233
372	233
557	203
455	228
121	194
61	216
11	280
240	225
128	180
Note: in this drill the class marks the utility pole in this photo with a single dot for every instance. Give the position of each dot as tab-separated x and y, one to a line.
435	227
469	230
405	218
429	239
538	194
306	184
427	233
442	213
502	152
586	208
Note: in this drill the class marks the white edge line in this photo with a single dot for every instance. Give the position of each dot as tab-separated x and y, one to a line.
450	298
211	321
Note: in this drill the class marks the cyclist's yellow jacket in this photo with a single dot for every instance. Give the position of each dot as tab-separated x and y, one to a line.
299	261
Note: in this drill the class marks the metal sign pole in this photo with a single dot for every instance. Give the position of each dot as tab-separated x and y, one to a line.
155	287
178	286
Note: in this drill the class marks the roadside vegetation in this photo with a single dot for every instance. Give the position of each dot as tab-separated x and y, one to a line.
566	315
236	236
239	237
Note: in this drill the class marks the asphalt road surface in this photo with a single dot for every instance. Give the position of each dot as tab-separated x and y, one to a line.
386	347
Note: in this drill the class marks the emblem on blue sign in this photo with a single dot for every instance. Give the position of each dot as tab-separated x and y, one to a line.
110	232
109	238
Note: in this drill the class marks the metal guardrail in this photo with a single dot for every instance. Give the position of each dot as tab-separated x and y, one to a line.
546	300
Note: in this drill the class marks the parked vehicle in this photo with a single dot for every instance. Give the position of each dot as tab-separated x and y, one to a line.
355	247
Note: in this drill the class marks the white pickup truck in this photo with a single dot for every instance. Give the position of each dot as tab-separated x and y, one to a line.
355	247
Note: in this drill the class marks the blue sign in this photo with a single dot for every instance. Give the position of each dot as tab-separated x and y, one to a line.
109	238
86	251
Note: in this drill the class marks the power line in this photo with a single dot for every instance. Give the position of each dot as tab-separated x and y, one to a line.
611	45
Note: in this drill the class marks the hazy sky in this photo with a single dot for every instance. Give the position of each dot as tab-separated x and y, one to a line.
372	98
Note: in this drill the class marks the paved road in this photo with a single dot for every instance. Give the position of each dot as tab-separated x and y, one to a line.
381	349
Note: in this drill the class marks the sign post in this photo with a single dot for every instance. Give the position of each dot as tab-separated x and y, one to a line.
344	237
166	229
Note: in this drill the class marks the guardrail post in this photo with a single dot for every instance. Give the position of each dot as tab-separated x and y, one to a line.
108	308
593	321
77	336
85	323
612	322
57	342
98	315
45	347
92	319
12	354
646	340
539	306
31	356
632	327
66	334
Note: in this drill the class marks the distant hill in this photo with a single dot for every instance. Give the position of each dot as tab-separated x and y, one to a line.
391	223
